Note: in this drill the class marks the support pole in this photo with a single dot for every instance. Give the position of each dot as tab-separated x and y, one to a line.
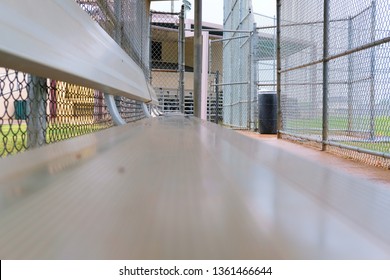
279	67
372	73
274	60
113	109
181	60
197	58
216	97
150	49
254	77
145	109
325	73
36	112
205	74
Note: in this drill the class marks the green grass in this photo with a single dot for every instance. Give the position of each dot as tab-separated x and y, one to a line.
13	138
340	126
382	124
383	147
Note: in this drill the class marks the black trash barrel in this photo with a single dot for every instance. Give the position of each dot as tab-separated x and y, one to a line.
267	102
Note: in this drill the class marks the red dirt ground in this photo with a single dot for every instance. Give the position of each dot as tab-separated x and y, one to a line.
355	168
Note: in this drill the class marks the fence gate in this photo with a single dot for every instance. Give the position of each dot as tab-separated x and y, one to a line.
167	62
230	70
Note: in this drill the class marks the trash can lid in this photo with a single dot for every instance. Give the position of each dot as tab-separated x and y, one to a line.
266	91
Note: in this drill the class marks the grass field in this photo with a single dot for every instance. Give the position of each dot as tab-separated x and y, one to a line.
339	126
381	124
14	137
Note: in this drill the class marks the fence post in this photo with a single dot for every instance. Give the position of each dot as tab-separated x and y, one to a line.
216	96
181	60
372	73
150	48
325	74
250	77
198	58
279	67
36	112
118	36
252	95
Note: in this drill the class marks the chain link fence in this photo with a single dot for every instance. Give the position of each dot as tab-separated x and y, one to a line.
165	61
35	111
249	63
334	76
237	65
172	72
336	99
215	92
127	22
264	60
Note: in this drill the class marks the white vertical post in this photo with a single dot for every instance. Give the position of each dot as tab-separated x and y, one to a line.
172	6
205	74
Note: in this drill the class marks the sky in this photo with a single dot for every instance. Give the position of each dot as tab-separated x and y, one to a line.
213	9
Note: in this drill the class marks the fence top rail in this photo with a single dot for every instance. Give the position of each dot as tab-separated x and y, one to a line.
348	52
163	13
222	30
229	39
58	40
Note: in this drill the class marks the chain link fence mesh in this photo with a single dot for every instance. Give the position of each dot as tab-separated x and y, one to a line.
237	65
302	88
264	60
169	73
35	111
127	22
215	92
357	123
164	54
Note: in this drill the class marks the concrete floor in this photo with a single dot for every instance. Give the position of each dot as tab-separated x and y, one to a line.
356	168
